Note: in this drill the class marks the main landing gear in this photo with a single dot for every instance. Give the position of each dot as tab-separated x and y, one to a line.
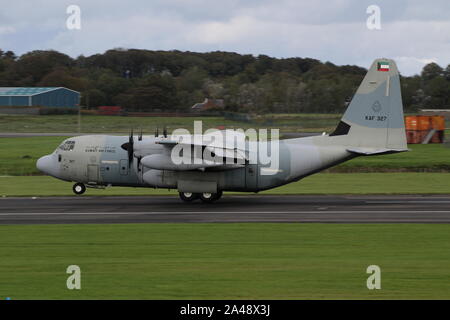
205	196
79	188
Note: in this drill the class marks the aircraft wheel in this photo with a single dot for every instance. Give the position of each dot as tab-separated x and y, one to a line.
188	196
79	188
210	197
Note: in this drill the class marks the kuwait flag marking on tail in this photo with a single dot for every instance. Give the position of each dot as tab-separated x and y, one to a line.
383	66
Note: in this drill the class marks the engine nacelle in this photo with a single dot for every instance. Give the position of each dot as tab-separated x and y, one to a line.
164	162
147	147
160	179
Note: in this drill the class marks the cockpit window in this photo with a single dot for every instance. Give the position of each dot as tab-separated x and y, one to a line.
67	145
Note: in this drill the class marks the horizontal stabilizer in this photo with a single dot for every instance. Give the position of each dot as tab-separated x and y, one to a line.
374	152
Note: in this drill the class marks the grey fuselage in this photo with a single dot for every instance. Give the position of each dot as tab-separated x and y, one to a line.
100	160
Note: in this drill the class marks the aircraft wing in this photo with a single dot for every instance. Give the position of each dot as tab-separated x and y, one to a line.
227	150
219	151
228	144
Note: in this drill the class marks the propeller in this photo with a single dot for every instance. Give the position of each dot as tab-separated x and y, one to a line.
130	148
165	132
157	132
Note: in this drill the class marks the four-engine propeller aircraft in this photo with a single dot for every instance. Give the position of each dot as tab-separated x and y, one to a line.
372	125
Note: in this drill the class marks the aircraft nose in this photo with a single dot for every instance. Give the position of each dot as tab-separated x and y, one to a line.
45	164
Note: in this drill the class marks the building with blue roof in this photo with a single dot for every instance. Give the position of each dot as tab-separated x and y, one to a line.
54	97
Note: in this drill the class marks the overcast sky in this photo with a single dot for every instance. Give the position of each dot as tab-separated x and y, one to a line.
413	32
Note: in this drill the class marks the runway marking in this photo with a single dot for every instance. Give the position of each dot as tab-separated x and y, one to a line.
406	201
228	212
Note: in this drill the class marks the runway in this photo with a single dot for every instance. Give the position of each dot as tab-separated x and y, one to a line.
251	208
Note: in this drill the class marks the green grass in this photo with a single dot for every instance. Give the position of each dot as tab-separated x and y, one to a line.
431	157
225	261
117	124
18	156
98	124
322	183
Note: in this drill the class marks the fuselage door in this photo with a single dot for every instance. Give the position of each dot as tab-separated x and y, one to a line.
124	167
92	172
251	176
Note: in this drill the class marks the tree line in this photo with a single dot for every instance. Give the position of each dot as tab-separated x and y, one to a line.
166	81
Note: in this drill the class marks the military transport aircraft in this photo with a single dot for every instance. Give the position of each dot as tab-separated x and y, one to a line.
372	125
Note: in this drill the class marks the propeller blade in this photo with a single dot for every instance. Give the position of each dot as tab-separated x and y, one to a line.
140	136
165	132
139	163
130	149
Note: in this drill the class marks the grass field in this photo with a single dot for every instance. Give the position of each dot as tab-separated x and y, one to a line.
302	122
225	261
18	157
322	183
116	124
431	157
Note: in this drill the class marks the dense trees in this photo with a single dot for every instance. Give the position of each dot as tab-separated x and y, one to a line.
144	80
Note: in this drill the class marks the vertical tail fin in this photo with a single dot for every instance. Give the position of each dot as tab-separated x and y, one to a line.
374	119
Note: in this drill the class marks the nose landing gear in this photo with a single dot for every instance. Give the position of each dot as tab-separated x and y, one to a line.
79	188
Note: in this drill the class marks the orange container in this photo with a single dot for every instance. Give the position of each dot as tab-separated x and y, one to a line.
423	122
438	122
415	136
411	122
410	136
438	137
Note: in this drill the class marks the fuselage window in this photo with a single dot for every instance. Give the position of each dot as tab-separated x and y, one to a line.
68	145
